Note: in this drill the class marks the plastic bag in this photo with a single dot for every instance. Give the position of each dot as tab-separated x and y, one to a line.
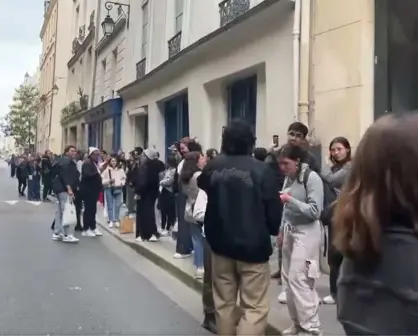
69	215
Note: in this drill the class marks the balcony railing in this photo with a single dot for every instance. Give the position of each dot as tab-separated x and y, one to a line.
174	45
229	10
140	68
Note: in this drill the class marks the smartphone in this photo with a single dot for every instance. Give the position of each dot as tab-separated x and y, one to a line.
276	140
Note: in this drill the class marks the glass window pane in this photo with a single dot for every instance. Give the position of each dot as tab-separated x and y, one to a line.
179	7
108	135
179	23
145	14
144	50
145	33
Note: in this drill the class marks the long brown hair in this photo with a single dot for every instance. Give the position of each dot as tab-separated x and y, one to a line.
382	188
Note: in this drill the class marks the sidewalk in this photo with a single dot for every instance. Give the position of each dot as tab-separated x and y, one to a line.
161	253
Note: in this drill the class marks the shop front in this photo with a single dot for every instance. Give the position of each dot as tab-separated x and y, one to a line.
104	125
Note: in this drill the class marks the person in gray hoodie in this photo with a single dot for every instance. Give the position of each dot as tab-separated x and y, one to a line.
340	158
300	235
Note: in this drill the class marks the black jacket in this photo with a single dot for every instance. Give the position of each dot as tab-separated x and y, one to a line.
91	179
242	211
46	166
148	179
382	300
67	175
22	170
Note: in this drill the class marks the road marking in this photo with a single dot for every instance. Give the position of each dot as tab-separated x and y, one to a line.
14	202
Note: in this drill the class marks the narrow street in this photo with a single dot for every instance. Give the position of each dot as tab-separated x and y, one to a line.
96	287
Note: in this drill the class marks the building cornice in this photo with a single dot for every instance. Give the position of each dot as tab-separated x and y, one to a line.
81	48
47	16
106	40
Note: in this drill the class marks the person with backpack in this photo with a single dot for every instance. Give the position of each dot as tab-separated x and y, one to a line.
300	236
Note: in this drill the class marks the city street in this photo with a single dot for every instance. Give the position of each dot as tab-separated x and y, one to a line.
96	287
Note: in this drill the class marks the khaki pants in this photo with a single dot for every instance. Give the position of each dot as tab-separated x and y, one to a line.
251	281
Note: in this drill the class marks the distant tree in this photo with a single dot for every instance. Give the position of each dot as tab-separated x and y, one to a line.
20	122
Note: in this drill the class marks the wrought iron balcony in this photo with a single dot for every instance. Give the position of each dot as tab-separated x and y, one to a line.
229	10
140	68
174	45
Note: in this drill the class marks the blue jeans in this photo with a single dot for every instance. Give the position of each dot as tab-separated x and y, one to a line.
197	239
113	203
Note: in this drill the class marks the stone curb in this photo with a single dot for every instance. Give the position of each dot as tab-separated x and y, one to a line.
177	272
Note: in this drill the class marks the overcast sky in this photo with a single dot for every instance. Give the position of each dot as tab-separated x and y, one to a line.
20	46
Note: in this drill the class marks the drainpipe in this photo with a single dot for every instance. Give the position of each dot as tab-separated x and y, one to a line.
305	61
296	59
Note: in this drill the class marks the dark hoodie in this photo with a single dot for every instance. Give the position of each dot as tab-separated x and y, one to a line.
242	211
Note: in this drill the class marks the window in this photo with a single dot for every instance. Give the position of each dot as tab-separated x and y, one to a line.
145	30
179	16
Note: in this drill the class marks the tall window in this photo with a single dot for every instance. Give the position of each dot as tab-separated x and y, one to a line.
145	29
179	16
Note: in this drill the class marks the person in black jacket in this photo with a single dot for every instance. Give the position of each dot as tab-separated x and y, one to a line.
65	184
132	167
12	164
240	217
90	188
22	173
46	171
147	188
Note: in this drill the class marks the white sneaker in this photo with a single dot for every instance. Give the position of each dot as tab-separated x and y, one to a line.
200	271
88	233
110	225
139	240
292	330
328	300
97	232
57	237
153	239
282	297
70	239
181	256
310	332
117	224
164	233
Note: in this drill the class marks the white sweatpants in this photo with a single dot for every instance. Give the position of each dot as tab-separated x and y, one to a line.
300	270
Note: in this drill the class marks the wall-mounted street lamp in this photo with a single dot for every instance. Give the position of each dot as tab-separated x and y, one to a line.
108	23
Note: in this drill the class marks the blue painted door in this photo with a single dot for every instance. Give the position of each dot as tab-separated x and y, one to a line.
176	114
242	101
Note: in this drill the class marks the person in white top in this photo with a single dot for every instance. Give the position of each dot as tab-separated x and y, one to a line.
113	179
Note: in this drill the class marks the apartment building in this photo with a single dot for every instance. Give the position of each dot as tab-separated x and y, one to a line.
80	72
55	37
199	64
103	118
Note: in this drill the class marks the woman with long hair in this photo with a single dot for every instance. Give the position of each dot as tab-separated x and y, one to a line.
375	228
166	198
113	178
188	178
184	245
300	235
340	158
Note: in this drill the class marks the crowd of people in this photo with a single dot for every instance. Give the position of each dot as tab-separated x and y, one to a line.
223	208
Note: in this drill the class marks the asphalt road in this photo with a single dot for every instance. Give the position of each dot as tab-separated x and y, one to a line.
96	287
